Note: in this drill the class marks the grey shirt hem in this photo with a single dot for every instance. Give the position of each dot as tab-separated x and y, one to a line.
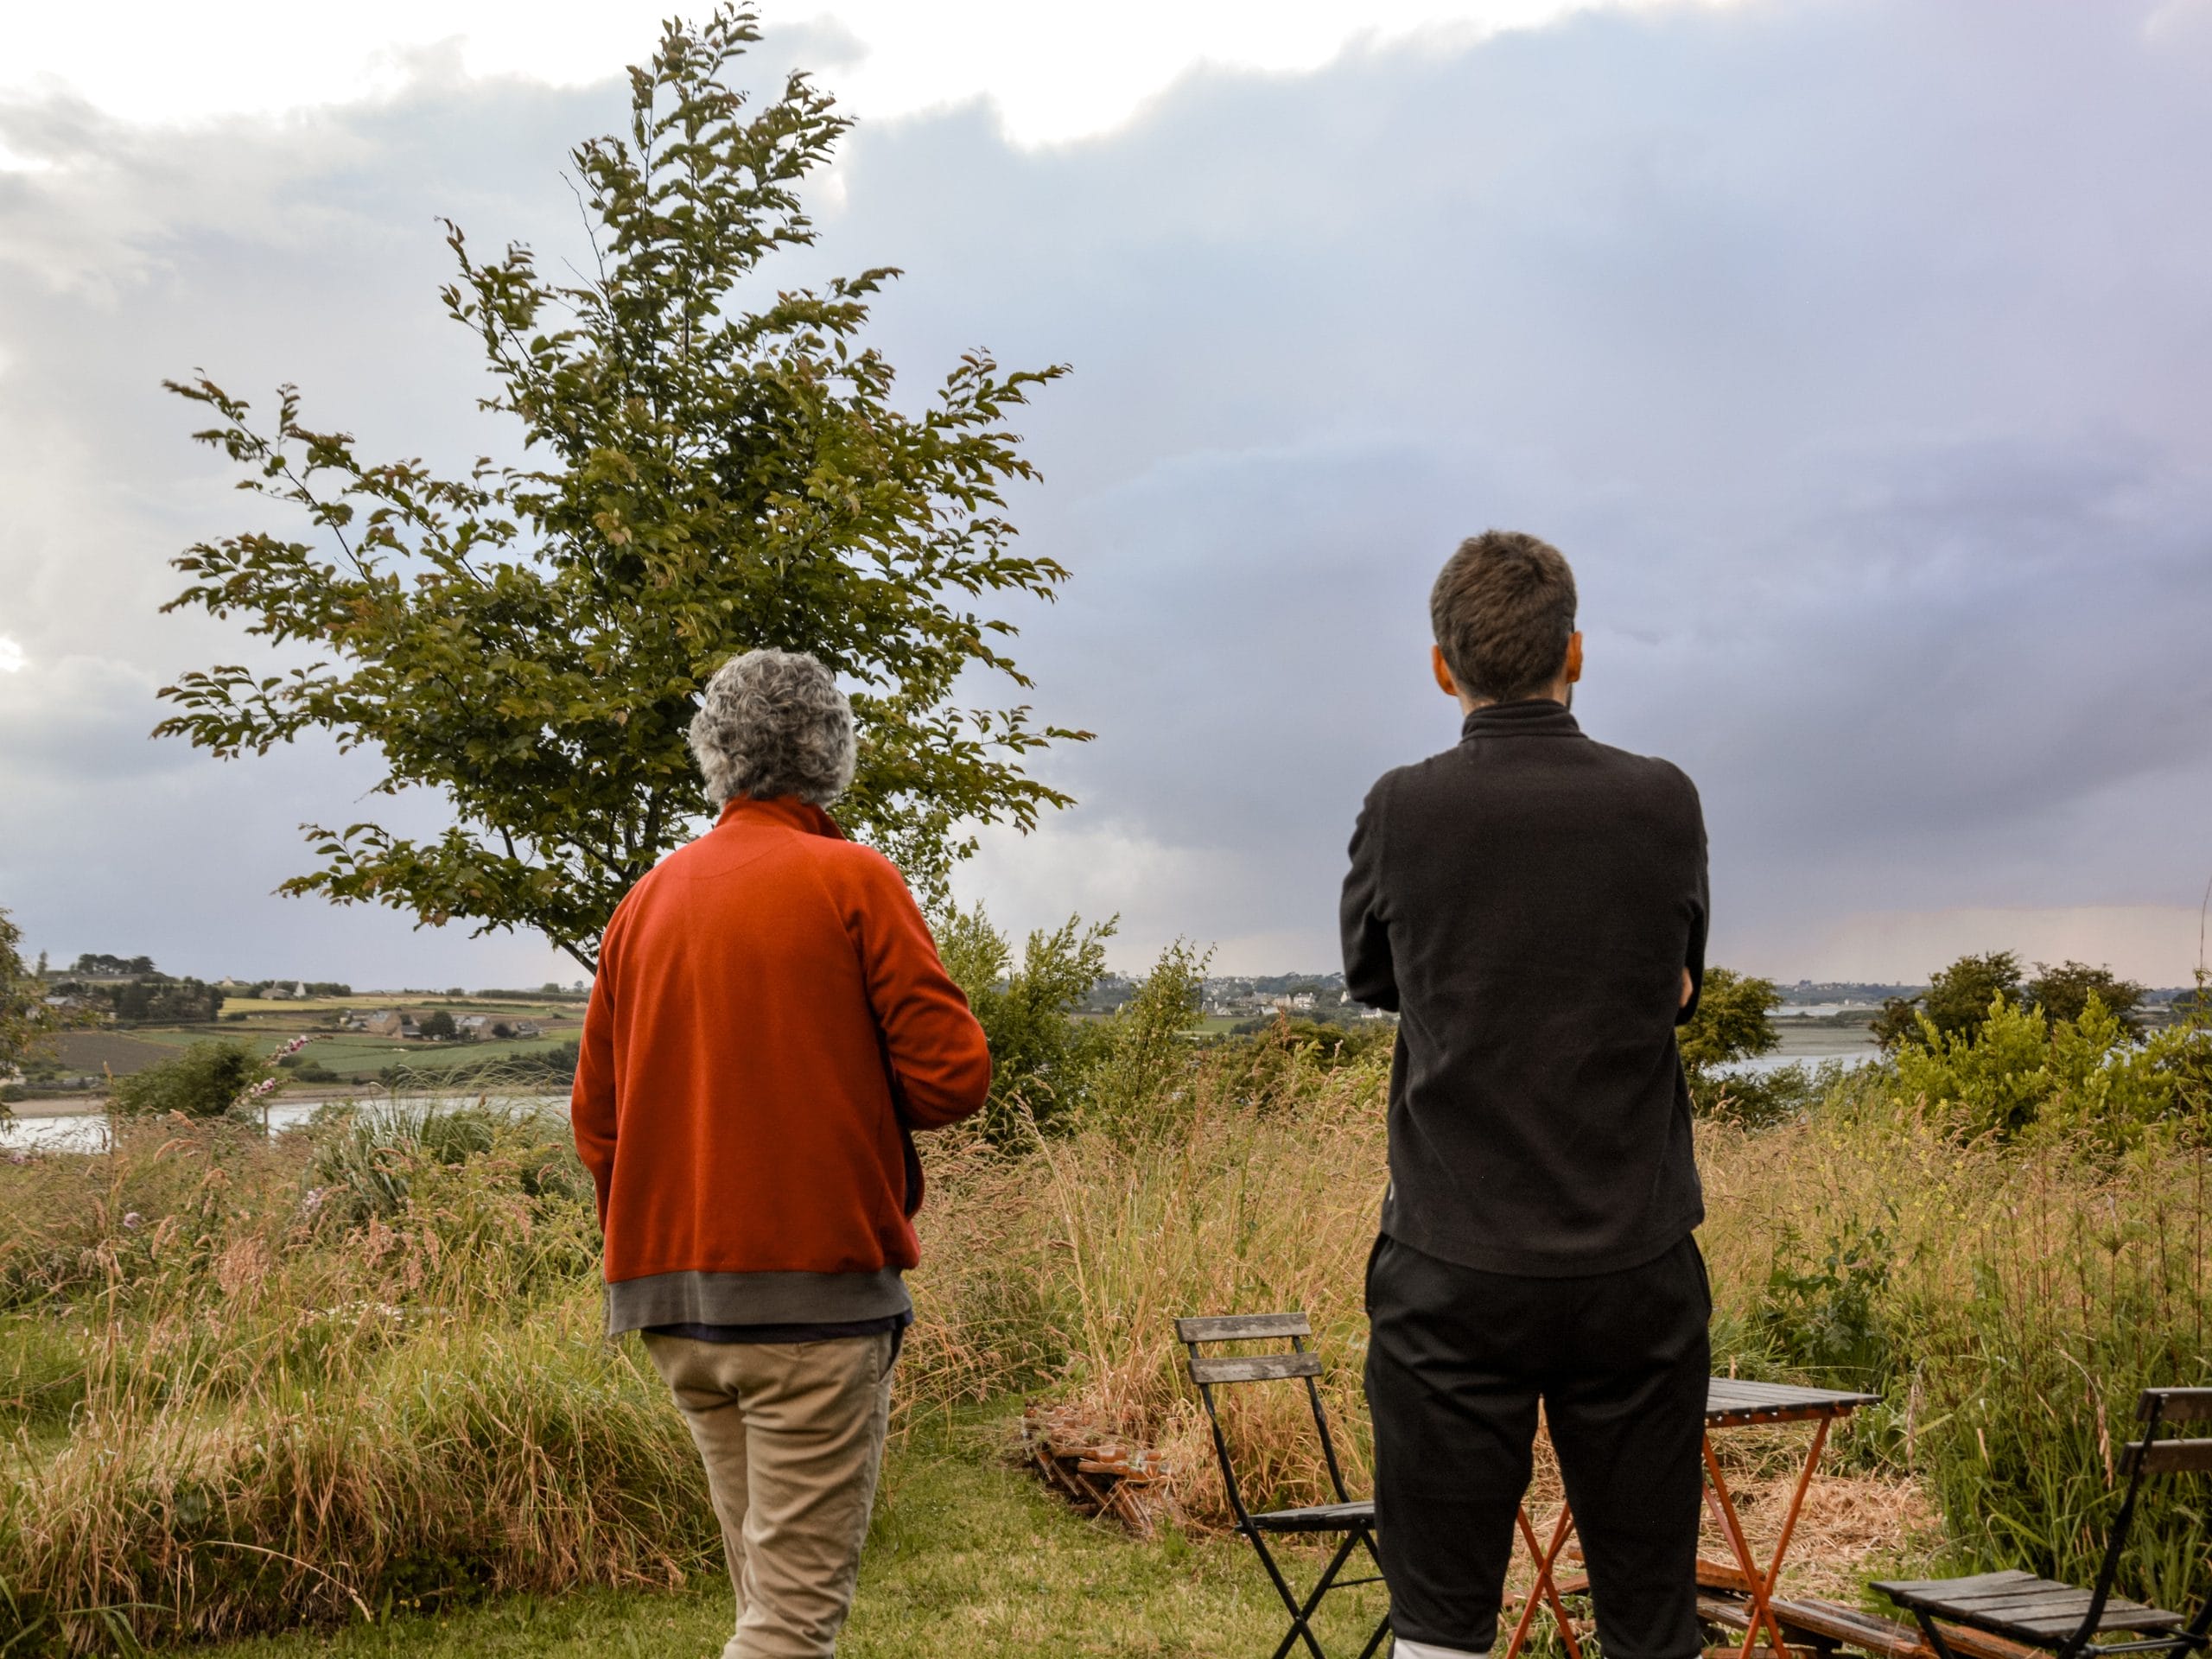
754	1299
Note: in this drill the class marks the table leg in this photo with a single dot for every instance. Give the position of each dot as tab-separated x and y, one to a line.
1796	1503
1766	1586
1724	1510
1543	1561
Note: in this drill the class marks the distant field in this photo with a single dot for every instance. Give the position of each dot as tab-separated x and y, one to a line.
87	1052
350	1055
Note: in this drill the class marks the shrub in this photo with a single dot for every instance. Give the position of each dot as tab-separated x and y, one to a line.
204	1081
1759	1100
370	1162
1142	1083
553	1067
1040	1057
1826	1318
2088	1076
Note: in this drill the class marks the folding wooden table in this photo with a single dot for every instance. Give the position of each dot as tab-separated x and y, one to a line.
1730	1402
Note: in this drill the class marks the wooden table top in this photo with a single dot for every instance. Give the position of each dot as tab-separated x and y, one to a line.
1730	1400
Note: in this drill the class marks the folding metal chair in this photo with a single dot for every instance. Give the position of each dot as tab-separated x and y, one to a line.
1354	1519
2063	1618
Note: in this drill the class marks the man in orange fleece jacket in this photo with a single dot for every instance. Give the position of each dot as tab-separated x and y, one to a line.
769	1024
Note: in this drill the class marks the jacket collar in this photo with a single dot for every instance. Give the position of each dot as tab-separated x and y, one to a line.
782	812
1531	717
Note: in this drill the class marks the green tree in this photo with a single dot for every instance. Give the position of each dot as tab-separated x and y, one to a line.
1730	1022
529	642
27	1023
97	961
205	1081
2063	993
438	1026
1956	1002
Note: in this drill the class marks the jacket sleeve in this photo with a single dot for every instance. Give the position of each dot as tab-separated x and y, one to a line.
938	1055
1701	909
591	1099
1369	975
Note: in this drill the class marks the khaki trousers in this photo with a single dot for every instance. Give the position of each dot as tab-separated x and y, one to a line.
791	1434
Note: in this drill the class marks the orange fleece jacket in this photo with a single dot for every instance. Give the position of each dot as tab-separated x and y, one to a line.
769	1020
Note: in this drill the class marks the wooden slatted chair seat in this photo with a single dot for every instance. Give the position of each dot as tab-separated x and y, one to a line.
2023	1606
1317	1517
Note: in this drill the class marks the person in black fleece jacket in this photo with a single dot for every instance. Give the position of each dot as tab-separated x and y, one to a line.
1532	904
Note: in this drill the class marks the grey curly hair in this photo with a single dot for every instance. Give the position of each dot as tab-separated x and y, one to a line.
773	722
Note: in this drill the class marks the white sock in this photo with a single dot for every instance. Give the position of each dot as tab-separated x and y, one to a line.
1401	1648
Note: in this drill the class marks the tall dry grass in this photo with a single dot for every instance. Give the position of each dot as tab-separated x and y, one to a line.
1065	1270
249	1385
245	1385
2007	1303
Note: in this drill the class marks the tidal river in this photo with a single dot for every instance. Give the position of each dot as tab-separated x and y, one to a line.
87	1131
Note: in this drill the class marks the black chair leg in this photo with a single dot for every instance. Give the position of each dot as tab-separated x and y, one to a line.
1301	1617
1298	1617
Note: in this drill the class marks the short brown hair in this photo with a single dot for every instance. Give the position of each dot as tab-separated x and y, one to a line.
1504	610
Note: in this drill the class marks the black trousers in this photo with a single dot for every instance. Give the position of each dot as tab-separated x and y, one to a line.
1456	1362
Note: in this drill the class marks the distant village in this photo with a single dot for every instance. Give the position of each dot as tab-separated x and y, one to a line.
1319	997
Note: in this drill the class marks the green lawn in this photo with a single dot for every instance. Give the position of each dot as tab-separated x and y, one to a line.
968	1556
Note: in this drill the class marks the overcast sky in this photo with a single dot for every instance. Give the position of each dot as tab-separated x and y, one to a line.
1856	352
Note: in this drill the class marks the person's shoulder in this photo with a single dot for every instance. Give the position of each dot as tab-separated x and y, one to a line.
1444	769
848	864
1653	773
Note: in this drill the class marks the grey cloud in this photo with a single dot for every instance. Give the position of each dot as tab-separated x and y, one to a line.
76	720
1854	351
1862	390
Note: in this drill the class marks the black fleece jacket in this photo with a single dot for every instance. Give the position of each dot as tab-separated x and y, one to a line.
1526	903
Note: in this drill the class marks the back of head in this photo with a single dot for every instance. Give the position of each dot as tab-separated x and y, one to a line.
1503	610
773	722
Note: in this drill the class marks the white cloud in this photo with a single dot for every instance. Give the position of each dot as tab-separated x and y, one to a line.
1054	72
11	656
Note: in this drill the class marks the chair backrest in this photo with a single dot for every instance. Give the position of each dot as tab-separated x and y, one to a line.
1210	1372
2152	1456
